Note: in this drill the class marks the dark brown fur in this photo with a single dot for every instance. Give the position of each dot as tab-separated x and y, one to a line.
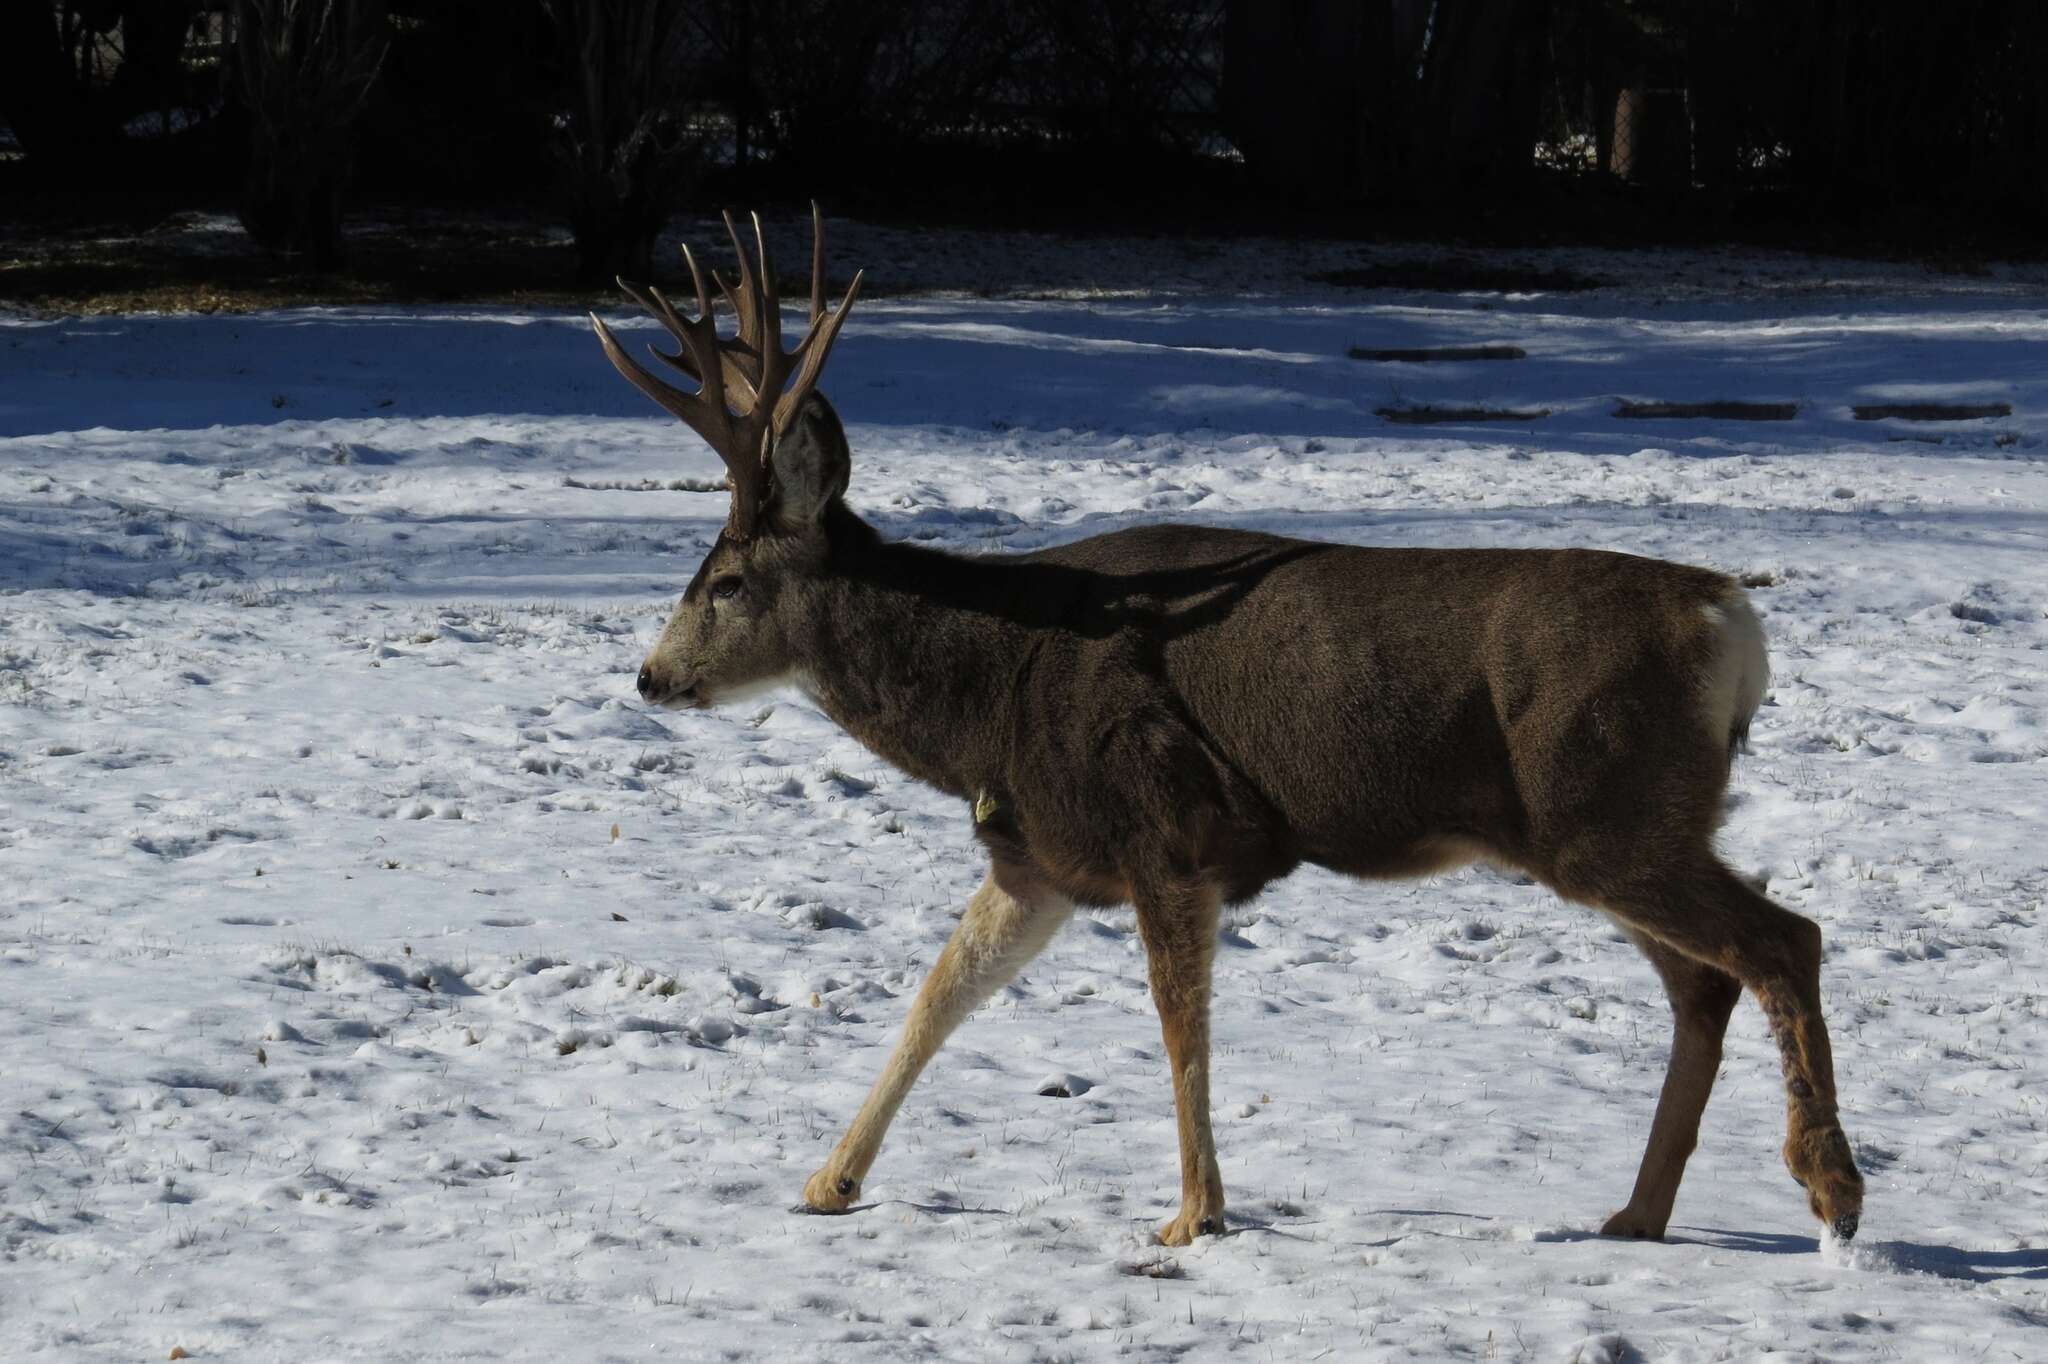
1175	715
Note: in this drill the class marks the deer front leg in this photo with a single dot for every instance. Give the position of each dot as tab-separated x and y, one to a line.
1008	922
1179	930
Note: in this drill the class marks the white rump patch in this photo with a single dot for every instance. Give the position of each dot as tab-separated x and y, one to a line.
1740	670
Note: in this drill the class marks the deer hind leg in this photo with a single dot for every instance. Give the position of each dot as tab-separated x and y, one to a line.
1716	918
1008	922
1701	997
1179	930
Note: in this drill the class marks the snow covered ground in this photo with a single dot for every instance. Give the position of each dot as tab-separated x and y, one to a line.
380	980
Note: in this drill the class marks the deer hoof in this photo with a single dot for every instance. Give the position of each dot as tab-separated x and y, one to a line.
1634	1226
1183	1229
1820	1159
829	1192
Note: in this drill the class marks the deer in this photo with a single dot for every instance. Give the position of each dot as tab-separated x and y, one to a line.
1173	717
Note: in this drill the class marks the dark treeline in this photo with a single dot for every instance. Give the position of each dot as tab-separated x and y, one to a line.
1911	124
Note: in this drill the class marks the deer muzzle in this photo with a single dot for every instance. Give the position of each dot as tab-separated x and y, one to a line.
658	686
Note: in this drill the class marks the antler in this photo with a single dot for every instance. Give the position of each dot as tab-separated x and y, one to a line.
740	407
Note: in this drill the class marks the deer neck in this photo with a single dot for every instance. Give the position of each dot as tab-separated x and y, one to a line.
912	652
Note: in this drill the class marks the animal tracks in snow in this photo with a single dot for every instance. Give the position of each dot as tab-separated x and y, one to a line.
361	917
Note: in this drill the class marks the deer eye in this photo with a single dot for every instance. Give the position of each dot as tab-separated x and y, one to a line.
726	588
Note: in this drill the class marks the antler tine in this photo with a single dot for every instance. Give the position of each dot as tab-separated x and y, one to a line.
704	315
774	361
745	300
697	281
655	302
698	339
755	301
801	348
815	347
817	265
709	420
771	302
737	378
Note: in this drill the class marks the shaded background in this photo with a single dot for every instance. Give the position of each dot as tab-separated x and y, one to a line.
474	148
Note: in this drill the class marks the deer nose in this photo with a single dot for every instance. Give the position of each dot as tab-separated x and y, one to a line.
646	683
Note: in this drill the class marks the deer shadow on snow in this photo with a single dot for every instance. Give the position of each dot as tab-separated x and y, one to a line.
1902	1257
1911	1257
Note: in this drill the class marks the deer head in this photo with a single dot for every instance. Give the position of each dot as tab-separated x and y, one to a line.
786	461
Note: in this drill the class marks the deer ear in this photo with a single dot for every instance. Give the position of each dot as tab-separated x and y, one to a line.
810	464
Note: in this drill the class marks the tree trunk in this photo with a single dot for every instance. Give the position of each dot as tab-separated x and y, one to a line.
624	150
1297	95
1478	106
305	67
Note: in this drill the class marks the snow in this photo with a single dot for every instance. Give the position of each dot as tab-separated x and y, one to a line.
381	980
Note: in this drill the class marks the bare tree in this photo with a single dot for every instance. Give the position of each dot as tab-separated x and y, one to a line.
625	147
1122	77
305	68
836	90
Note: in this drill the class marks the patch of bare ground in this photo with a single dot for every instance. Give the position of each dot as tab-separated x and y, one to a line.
192	262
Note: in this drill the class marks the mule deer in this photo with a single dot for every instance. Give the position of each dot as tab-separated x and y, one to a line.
1175	716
